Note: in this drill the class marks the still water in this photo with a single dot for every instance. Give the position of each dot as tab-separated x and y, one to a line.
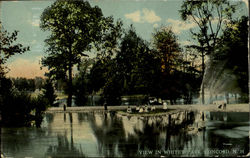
98	134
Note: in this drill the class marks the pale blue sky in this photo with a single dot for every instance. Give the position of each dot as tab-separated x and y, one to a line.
145	15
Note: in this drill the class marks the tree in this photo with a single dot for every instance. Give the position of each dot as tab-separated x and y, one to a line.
209	16
230	59
137	74
24	84
115	76
169	52
75	27
80	82
190	75
8	47
167	48
49	92
38	82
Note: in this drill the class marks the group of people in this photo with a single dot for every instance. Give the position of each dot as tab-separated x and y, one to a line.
141	109
146	108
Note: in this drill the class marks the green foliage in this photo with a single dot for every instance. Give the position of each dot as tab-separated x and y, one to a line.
169	52
80	83
75	27
39	81
137	69
49	92
40	104
233	51
24	84
167	49
209	16
8	47
136	75
16	106
115	76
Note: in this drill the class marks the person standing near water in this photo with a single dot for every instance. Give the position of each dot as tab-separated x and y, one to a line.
64	107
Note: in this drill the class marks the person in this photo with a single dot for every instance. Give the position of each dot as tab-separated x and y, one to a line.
164	106
105	105
64	107
129	110
224	104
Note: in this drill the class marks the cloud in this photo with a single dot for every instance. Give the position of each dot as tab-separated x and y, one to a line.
150	16
155	25
26	68
135	16
179	26
185	43
143	16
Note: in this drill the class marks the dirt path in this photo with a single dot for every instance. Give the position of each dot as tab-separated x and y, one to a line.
213	108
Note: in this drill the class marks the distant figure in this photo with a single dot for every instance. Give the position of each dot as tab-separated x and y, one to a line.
137	108
221	104
64	107
129	109
159	100
145	108
141	110
105	105
152	108
164	106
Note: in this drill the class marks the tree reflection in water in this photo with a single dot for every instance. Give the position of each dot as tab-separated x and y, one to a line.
127	136
101	134
64	148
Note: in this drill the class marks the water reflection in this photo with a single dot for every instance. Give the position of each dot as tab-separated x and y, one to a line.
112	135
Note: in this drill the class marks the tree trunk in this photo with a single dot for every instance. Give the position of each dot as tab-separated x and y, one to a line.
70	93
248	51
202	84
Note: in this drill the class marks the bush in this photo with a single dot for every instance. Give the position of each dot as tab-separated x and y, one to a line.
19	108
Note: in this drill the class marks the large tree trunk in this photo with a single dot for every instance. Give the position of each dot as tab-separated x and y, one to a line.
249	51
202	84
70	93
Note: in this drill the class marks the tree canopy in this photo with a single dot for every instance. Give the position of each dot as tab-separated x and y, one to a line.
75	27
8	47
210	17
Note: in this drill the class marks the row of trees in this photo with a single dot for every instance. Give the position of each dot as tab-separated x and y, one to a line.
126	64
137	68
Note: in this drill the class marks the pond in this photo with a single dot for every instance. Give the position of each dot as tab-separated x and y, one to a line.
99	134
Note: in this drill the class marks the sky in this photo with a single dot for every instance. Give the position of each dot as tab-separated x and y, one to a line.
145	15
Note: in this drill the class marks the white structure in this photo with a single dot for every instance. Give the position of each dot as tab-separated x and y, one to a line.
164	106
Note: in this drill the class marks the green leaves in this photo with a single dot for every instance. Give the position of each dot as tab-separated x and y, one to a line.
74	27
8	48
168	49
209	16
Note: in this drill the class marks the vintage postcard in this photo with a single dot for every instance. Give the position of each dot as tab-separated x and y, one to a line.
124	78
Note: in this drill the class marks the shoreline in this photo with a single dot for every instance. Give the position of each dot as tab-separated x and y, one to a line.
209	108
